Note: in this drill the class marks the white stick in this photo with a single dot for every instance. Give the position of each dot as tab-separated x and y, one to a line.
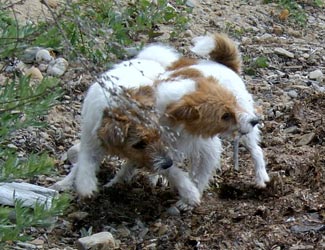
235	144
29	194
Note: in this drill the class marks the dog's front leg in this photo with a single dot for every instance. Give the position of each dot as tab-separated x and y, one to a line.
124	175
188	192
205	161
89	158
251	141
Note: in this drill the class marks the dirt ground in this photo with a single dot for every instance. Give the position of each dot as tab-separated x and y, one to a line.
288	214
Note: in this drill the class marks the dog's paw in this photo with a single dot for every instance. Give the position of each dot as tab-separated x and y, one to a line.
261	179
183	206
61	186
86	189
191	196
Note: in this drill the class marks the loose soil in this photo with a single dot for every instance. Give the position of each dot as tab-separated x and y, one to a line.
288	214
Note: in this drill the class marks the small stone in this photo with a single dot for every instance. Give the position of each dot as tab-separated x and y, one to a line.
162	230
57	67
246	40
291	129
265	37
29	54
12	146
53	3
103	240
293	94
34	73
143	233
316	74
189	33
43	56
278	114
191	3
131	52
37	242
284	52
301	247
173	211
78	216
25	245
277	30
123	231
42	67
306	139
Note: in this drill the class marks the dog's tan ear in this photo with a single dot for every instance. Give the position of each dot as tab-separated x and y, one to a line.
113	130
182	111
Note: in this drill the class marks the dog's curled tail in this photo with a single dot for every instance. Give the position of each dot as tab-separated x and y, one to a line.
159	53
220	48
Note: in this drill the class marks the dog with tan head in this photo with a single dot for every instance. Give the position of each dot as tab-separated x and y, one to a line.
119	119
202	100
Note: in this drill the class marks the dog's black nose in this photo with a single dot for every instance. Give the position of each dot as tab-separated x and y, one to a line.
255	121
167	163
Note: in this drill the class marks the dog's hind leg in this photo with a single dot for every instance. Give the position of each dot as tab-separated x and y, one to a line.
124	175
67	182
251	141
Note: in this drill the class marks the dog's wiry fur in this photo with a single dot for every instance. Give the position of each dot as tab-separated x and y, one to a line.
220	48
201	100
222	65
206	112
118	118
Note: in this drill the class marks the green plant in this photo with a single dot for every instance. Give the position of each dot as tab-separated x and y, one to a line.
253	65
100	30
15	220
296	9
23	103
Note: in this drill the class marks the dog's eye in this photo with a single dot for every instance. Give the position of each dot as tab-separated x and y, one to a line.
226	116
140	145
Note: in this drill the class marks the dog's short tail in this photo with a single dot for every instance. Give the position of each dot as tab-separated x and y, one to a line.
159	53
220	48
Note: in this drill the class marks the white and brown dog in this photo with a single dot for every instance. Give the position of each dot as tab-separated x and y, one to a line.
119	119
201	100
225	66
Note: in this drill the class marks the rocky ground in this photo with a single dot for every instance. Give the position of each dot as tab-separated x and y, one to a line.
288	214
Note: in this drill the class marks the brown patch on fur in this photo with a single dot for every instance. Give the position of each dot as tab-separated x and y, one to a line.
208	111
226	53
144	96
187	72
182	63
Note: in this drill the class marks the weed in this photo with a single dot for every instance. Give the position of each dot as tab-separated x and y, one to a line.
253	65
296	9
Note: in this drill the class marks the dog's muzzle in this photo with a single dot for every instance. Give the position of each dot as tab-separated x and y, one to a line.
167	163
254	122
163	163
